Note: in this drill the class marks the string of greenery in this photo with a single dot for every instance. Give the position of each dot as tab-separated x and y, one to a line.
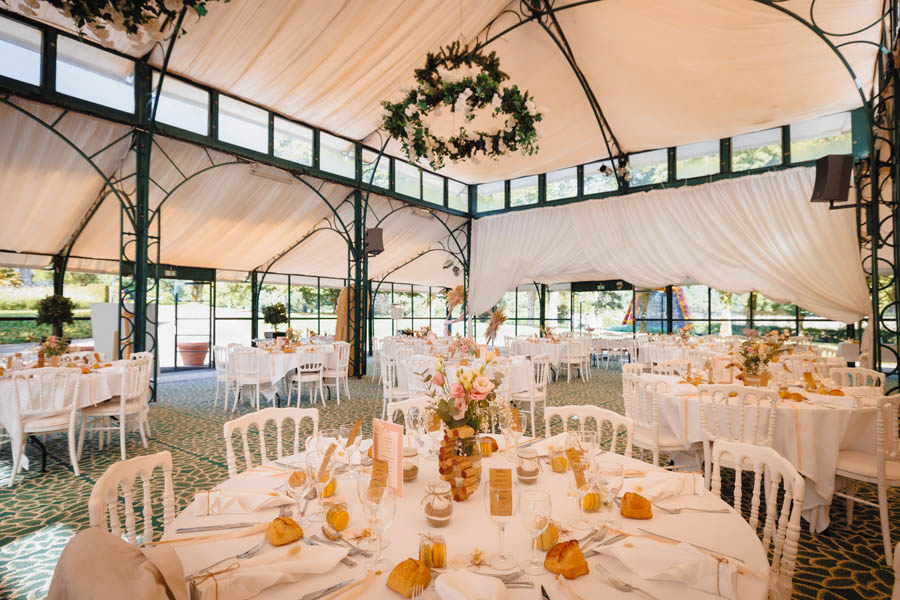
442	82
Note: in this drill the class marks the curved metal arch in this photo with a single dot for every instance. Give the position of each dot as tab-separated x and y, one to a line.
405	263
155	212
292	247
450	232
124	204
346	233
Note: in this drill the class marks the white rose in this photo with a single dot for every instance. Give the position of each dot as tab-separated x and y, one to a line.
530	107
410	110
495	101
173	5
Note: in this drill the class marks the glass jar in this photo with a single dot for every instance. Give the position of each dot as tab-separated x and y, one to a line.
486	444
558	461
432	551
438	503
410	464
528	465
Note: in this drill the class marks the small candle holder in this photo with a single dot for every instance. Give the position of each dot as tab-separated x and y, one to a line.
558	461
528	465
438	503
410	464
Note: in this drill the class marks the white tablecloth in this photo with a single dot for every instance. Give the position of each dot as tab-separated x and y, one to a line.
470	527
808	435
280	363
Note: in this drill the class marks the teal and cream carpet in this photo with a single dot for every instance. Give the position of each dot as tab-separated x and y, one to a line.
42	511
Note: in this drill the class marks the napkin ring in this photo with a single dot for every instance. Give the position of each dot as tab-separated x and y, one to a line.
196	580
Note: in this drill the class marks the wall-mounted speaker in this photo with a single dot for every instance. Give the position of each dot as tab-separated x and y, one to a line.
374	241
833	178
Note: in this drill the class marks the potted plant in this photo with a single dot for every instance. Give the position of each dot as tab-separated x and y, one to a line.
275	315
55	311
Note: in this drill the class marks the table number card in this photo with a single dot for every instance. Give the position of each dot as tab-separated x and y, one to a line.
577	468
501	492
388	446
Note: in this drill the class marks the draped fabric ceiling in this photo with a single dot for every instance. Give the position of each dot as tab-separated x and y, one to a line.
665	73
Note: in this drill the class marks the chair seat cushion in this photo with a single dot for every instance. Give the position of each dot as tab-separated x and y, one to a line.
44	424
397	392
643	437
863	463
110	408
333	373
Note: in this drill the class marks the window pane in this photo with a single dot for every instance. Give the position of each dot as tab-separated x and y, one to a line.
649	167
304	301
407	179
818	137
756	150
329	292
457	195
562	184
491	196
766	308
690	302
596	182
293	142
20	52
94	75
337	155
243	125
727	305
523	190
433	188
182	105
696	160
382	176
649	310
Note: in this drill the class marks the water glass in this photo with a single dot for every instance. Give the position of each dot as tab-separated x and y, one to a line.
379	505
348	451
501	561
535	510
319	473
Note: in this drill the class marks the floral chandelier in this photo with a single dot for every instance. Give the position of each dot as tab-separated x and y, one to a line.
446	80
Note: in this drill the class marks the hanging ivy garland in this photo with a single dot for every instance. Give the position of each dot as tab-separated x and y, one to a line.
443	82
132	17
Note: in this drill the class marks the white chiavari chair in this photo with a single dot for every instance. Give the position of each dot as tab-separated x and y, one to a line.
572	356
643	408
881	468
539	390
223	373
618	426
311	370
418	368
46	402
334	377
407	407
781	530
103	506
858	376
259	420
671	367
390	391
132	402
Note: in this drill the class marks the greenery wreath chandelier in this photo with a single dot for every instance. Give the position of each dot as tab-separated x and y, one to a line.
446	80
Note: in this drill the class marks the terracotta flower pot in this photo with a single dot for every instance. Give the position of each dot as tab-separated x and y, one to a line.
193	354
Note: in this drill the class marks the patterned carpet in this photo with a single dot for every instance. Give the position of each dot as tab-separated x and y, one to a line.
42	511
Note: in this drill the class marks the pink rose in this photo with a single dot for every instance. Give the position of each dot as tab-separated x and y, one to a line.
482	385
457	391
438	379
461	406
478	395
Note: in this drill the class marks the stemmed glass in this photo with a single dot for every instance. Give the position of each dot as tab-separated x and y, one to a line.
298	484
535	509
501	561
414	429
348	451
436	435
587	499
610	478
319	473
379	506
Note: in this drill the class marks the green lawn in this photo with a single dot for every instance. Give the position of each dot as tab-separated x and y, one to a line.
18	332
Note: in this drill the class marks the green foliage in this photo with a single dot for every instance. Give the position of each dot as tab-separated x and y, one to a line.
275	314
755	158
25	331
55	311
10	277
152	16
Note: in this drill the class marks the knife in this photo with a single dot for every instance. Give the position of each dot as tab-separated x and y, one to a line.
544	594
213	527
326	591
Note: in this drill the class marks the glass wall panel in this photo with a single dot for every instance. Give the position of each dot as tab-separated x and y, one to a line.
562	184
818	137
407	179
458	195
523	191
491	196
821	330
598	181
649	167
304	302
697	160
182	105
650	311
602	310
432	188
382	176
756	150
293	141
20	51
438	309
337	155
243	125
328	293
94	75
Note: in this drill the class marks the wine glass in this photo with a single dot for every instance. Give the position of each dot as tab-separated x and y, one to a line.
298	484
379	506
610	478
589	442
587	499
501	561
435	430
319	472
518	425
348	450
535	510
414	429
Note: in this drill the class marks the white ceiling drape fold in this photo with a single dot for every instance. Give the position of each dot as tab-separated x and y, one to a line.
759	233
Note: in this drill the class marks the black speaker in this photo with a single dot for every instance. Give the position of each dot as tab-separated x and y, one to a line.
374	241
833	178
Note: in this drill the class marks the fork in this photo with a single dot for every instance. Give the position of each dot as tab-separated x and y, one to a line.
247	554
623	586
346	561
612	540
677	510
417	592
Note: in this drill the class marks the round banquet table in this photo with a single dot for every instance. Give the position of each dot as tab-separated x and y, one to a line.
99	386
279	363
470	527
809	435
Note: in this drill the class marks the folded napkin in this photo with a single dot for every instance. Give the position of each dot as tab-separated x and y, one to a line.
659	485
272	566
220	502
552	444
466	585
683	563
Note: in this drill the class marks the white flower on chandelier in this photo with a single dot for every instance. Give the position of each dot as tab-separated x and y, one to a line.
531	107
496	102
173	5
410	110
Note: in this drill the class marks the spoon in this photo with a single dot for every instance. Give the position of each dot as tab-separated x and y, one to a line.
334	535
310	495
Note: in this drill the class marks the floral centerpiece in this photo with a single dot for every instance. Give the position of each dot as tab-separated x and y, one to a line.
754	355
469	400
547	332
54	345
424	332
686	332
462	347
